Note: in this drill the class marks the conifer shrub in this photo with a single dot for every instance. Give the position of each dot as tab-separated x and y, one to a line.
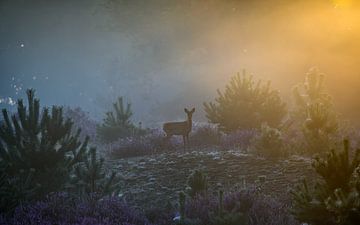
117	123
268	142
40	145
335	198
40	154
197	184
314	114
245	104
90	178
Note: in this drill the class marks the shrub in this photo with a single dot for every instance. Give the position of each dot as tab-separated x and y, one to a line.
16	190
117	124
197	183
38	155
151	143
41	145
204	136
268	142
238	139
90	178
245	104
314	113
335	199
241	207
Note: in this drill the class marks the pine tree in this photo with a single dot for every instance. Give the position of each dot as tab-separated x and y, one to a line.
91	178
335	198
245	104
315	114
122	115
40	144
117	123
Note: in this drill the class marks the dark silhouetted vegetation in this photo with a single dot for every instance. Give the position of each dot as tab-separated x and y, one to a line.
197	184
38	155
334	200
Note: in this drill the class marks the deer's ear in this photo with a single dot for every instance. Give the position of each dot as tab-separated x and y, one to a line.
185	109
193	110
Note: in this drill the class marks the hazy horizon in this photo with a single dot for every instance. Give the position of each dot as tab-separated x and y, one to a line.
166	55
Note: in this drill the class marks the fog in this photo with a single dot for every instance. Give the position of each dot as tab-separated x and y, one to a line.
166	55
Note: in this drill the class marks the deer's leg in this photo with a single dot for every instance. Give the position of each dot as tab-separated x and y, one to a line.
187	140
184	140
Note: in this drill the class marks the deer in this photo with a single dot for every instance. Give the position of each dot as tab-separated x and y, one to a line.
180	128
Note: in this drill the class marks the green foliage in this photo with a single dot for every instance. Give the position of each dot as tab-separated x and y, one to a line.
197	183
90	177
40	154
16	190
117	124
335	199
39	142
245	104
268	142
314	113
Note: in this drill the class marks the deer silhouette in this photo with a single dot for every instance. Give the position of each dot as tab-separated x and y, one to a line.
180	128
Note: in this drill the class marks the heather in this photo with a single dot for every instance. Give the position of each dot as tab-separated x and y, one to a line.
61	208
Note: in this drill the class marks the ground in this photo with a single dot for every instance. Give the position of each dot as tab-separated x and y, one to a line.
155	180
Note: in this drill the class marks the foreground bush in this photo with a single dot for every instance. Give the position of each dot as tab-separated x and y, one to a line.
62	209
335	199
37	149
39	154
245	104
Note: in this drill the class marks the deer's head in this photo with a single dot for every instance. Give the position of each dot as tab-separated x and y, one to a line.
189	113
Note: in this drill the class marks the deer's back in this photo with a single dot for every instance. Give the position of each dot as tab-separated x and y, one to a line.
176	128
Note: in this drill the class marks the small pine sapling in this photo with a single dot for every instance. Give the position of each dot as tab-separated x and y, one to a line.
117	123
91	178
197	183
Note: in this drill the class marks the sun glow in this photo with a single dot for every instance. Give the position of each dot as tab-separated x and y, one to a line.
342	3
